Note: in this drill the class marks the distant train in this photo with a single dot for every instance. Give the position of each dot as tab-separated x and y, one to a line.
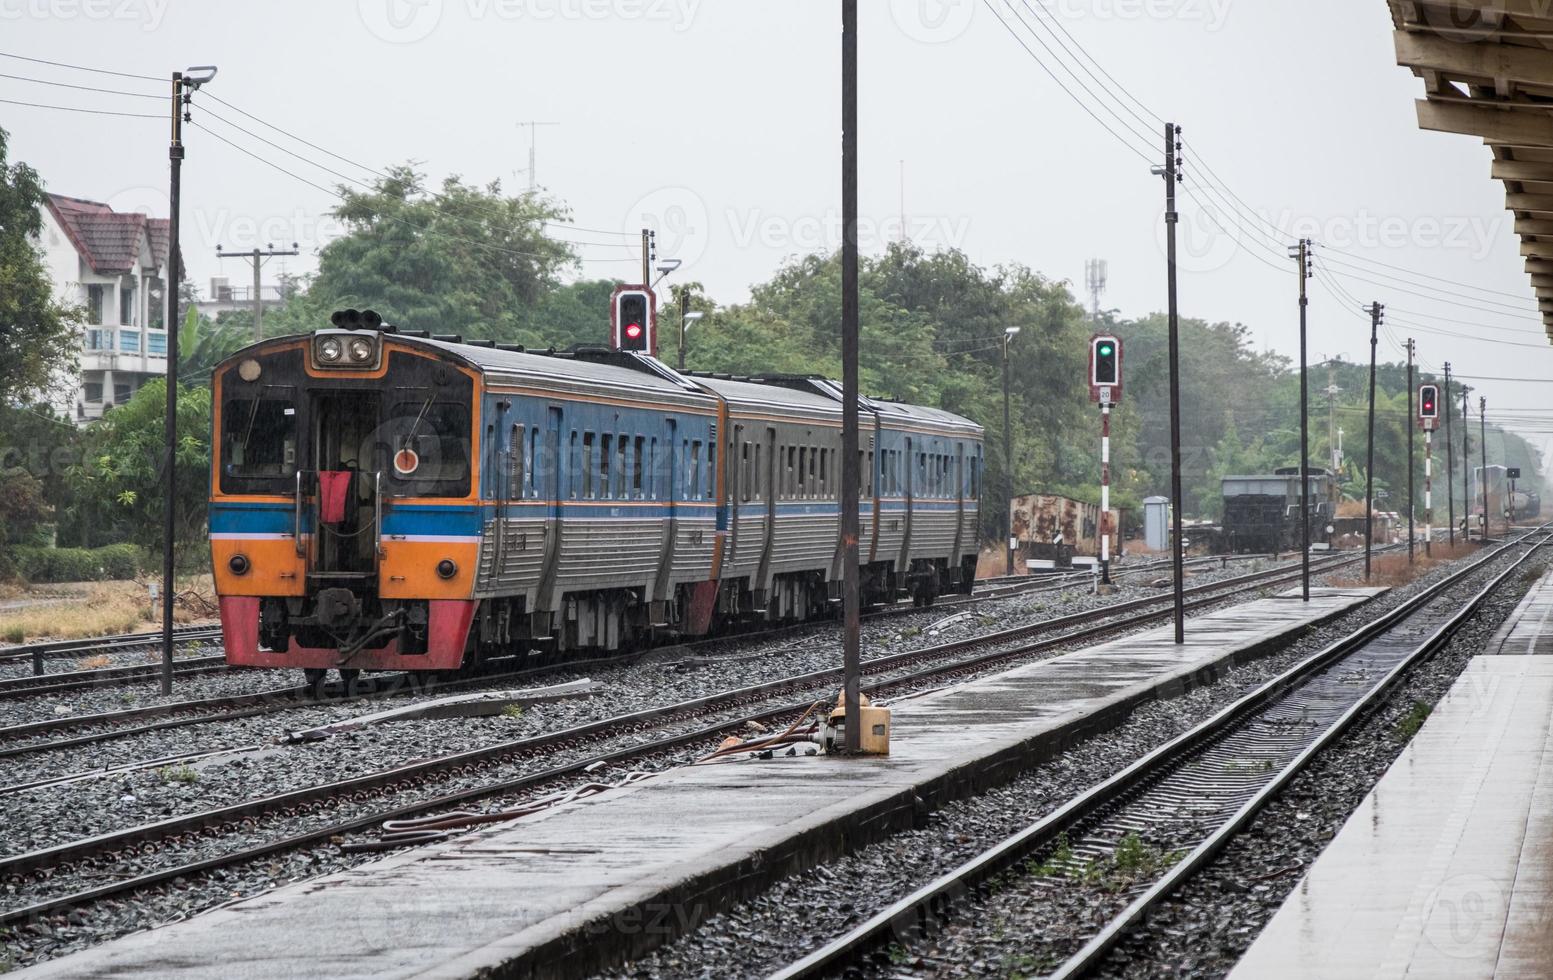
1262	513
1504	507
387	500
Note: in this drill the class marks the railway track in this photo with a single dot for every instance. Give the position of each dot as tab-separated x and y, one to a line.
141	720
698	722
200	711
1208	782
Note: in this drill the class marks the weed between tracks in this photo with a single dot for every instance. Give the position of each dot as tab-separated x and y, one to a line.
187	775
97	609
1393	570
1409	724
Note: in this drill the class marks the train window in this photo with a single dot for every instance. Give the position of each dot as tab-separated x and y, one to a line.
744	473
695	470
787	479
606	461
588	464
813	482
824	471
436	435
622	447
804	467
515	463
652	470
575	469
533	460
259	441
760	474
711	467
636	470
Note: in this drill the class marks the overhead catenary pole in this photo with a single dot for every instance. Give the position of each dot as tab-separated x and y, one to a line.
1172	177
1304	262
850	475
257	257
182	86
1450	456
1411	530
1369	466
170	424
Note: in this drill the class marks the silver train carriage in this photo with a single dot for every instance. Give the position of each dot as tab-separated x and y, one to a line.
389	501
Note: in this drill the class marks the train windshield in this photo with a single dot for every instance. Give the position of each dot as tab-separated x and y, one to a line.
259	441
429	447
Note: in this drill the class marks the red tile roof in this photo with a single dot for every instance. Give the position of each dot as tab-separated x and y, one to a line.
109	240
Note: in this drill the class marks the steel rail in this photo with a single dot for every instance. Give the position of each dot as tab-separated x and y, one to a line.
936	901
47	860
233	707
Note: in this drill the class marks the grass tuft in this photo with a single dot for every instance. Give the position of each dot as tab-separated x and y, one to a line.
1409	724
186	775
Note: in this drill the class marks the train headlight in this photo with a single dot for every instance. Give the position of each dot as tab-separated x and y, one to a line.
238	564
447	568
330	350
360	349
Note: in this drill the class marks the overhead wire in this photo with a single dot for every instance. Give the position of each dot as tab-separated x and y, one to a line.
94	112
99	71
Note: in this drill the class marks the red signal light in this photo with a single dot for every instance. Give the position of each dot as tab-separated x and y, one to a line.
633	331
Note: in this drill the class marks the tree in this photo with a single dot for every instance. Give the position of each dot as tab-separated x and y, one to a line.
128	470
461	259
37	334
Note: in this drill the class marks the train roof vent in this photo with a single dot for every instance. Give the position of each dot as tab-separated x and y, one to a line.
448	338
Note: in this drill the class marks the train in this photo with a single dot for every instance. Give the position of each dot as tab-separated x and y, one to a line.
387	499
1051	530
1262	513
1505	507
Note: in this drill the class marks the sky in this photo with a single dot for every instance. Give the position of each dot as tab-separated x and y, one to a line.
717	123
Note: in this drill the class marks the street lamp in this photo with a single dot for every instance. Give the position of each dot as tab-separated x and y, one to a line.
687	316
664	268
1009	334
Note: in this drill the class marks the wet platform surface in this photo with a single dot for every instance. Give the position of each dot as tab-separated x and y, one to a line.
565	892
1446	869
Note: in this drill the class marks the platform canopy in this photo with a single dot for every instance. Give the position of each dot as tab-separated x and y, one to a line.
1487	68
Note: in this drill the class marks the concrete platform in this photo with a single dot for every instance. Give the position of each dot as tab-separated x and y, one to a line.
566	892
1446	870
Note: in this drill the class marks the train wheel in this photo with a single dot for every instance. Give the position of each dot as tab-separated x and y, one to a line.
348	678
316	678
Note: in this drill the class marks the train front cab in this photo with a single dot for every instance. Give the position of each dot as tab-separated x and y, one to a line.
344	518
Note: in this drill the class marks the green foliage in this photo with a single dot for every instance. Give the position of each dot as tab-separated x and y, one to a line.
37	335
114	561
1409	724
187	775
128	470
459	259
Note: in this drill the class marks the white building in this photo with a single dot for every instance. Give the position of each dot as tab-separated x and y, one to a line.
114	265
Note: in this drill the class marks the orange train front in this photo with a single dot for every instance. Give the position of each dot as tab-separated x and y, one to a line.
383	500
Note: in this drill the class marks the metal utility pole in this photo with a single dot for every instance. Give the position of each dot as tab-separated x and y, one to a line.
184	85
1466	466
1008	458
257	257
1450	457
1096	272
686	318
850	475
1411	535
1303	256
1428	486
646	257
533	181
1172	177
1369	466
1483	449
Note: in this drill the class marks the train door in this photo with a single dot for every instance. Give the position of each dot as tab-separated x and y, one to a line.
665	483
735	464
549	464
345	424
959	503
909	465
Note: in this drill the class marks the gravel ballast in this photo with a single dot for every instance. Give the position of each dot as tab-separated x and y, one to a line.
760	935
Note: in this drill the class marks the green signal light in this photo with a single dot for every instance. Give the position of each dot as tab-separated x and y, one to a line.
1105	350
